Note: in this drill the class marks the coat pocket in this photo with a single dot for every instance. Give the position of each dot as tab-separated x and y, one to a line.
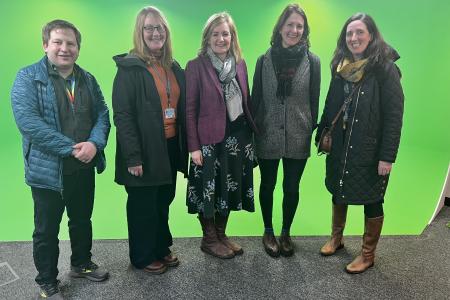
369	153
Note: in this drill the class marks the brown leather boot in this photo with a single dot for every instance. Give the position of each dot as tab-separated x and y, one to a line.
221	225
286	245
210	242
365	260
271	245
337	230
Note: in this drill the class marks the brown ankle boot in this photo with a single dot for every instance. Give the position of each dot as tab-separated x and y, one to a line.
286	245
365	260
337	230
210	242
271	245
221	225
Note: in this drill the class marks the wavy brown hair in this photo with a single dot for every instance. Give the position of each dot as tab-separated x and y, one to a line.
285	14
377	51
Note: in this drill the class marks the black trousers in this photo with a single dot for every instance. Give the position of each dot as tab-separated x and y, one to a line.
49	205
292	173
149	236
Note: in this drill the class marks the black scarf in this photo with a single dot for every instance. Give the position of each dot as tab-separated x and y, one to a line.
285	63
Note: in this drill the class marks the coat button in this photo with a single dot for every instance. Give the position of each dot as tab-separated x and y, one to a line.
362	93
346	172
356	120
351	147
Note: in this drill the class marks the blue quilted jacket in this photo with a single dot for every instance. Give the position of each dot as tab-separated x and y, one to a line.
35	109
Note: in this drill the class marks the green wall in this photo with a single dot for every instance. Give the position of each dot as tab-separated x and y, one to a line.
417	30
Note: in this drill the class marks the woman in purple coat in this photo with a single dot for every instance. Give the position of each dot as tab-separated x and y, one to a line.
219	134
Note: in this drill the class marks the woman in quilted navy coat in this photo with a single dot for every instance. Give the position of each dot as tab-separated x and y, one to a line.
367	134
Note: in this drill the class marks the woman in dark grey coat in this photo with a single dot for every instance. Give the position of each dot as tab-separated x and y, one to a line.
367	134
285	96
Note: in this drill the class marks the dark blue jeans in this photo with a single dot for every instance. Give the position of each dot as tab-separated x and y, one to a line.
49	205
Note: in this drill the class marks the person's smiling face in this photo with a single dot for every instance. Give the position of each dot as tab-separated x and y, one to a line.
357	38
62	48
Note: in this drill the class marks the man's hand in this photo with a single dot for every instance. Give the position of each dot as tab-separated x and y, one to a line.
84	151
136	171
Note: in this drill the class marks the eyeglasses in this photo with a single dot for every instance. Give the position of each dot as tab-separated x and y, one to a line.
151	28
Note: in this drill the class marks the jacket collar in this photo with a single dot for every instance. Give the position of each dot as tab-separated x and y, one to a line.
240	76
42	71
131	60
212	73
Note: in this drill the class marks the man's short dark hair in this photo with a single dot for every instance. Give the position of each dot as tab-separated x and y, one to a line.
59	24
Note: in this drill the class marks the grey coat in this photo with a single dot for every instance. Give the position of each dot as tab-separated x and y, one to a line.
285	126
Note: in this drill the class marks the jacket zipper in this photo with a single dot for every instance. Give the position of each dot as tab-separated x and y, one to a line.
341	181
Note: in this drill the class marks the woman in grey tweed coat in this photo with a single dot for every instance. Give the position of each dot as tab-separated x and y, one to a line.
285	98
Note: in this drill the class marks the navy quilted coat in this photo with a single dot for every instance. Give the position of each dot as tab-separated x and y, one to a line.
372	135
35	110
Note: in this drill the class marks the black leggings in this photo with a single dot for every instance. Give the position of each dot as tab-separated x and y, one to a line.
373	210
292	173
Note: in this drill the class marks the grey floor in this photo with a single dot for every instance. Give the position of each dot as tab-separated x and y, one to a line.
407	267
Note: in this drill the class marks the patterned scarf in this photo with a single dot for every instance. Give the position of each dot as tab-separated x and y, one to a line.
286	62
227	76
352	72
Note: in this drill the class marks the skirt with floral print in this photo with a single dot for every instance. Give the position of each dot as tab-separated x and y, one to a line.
225	181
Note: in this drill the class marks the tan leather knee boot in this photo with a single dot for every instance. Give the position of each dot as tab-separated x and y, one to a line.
336	241
365	260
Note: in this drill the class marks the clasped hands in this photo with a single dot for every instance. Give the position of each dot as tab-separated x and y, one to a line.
84	151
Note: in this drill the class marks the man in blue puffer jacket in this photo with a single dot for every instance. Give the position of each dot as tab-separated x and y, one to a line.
64	121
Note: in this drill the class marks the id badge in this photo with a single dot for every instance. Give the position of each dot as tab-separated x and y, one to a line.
169	113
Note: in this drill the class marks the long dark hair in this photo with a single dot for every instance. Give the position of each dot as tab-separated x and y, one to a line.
377	51
287	12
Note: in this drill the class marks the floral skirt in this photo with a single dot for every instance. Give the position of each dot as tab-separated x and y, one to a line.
225	181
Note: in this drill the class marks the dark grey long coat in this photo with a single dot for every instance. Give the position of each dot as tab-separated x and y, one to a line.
372	135
284	128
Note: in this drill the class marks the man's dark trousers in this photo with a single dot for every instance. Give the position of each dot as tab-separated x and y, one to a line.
49	205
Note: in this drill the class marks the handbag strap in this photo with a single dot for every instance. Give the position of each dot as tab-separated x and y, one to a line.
347	101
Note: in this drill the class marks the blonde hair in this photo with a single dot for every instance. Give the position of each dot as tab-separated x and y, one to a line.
214	21
140	48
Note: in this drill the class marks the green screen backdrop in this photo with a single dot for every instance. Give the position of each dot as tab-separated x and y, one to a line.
418	30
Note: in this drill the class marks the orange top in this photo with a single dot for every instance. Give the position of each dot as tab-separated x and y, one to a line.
160	77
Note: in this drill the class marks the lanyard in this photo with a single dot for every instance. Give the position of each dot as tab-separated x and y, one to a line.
71	91
168	88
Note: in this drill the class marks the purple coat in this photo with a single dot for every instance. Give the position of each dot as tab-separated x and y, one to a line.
205	104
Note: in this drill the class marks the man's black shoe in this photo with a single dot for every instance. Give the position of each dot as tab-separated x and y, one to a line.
89	271
50	291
